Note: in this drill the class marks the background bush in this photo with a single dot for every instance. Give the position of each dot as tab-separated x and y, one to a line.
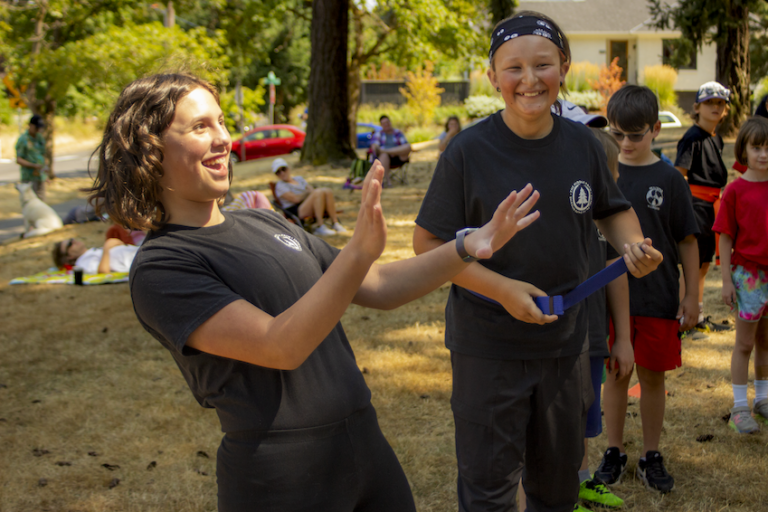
481	106
589	99
581	75
661	80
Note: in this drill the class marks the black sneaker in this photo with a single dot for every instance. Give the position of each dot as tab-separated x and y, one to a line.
709	326
653	473
612	467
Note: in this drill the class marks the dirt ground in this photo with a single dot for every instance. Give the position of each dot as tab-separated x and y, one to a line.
94	414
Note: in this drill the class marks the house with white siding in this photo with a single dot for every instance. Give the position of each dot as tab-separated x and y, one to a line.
600	30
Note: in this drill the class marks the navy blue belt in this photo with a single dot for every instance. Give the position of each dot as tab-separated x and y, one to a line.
558	304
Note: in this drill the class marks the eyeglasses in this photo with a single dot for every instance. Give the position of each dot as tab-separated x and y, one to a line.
633	137
281	170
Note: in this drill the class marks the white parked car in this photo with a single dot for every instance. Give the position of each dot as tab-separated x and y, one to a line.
669	120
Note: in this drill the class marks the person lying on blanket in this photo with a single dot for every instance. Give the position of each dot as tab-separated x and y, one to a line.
115	256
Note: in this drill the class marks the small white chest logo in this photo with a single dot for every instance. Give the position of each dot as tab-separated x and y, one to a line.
581	196
289	241
655	197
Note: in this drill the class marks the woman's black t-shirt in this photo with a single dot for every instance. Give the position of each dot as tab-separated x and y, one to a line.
702	154
182	276
479	169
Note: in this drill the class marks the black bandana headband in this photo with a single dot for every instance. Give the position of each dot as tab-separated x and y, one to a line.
524	26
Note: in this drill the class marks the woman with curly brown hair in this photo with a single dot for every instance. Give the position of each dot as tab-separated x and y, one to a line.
249	305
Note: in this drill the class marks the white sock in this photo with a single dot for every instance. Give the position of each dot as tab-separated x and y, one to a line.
584	475
740	395
761	390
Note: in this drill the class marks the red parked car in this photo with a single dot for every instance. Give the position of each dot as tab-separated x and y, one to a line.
270	140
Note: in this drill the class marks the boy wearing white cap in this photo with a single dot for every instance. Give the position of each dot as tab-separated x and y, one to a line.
699	159
303	200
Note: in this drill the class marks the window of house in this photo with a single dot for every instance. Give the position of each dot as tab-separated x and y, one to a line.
679	53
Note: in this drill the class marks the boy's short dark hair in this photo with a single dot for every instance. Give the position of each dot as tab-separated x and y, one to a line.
633	107
383	116
754	131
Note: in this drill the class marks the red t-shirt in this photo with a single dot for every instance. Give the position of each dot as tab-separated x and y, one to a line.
743	216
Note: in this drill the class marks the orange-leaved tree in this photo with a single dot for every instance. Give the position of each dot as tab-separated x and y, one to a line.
609	81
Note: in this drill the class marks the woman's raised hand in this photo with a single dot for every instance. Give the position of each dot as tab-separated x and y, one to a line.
510	217
370	236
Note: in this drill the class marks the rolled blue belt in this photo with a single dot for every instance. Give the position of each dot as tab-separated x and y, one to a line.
559	304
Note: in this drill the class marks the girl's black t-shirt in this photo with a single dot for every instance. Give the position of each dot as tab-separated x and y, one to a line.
479	169
702	154
182	276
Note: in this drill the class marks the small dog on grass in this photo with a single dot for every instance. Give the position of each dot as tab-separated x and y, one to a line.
39	218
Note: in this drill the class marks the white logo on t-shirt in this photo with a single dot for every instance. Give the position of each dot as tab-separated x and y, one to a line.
655	197
581	196
601	236
289	241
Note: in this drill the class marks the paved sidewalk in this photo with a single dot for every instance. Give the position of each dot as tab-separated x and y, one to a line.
13	228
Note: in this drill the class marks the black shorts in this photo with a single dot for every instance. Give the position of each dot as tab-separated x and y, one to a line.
705	217
342	467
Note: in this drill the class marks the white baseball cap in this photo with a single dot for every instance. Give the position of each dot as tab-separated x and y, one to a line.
277	163
712	90
577	114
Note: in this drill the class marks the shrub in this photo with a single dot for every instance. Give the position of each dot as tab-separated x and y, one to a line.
592	100
661	80
761	89
421	134
581	75
609	81
400	115
422	93
481	106
479	85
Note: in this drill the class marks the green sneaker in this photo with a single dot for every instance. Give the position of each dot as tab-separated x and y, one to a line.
760	410
579	508
595	491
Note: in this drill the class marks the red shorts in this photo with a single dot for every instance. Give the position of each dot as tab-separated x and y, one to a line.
656	342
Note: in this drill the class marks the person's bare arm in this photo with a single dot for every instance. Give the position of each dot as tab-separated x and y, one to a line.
617	299
689	306
243	332
729	290
104	267
515	296
622	230
26	163
683	171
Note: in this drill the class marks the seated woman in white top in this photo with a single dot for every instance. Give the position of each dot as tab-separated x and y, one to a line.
115	256
303	200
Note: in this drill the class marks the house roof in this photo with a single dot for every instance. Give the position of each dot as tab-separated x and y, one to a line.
594	16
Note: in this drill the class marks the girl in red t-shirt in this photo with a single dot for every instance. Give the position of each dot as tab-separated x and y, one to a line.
743	226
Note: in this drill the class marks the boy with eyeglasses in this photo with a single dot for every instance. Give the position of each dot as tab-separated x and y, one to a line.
662	201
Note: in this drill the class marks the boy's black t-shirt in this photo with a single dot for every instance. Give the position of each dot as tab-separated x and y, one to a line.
702	154
596	303
481	166
662	201
182	276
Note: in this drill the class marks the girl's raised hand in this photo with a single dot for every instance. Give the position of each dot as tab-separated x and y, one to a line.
370	236
510	217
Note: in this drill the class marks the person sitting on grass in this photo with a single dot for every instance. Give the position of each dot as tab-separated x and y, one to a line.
452	128
303	200
390	147
114	256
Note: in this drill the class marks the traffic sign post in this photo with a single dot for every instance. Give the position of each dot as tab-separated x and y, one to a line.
272	81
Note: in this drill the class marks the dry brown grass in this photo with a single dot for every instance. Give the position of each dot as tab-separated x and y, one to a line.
79	375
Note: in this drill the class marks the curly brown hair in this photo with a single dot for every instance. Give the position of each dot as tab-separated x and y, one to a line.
127	185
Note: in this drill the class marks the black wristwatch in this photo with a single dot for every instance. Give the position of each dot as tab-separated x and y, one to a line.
463	254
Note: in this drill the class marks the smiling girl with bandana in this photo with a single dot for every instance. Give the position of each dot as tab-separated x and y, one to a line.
521	379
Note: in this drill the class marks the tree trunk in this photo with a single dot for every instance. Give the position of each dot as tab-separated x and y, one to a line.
328	138
355	63
733	66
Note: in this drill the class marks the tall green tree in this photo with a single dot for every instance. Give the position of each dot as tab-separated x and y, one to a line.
725	23
409	32
501	9
35	30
